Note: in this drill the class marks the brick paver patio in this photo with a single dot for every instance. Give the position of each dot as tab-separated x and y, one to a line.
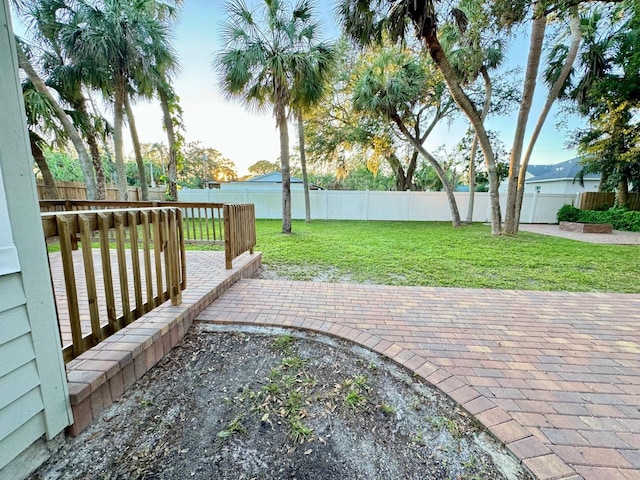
554	375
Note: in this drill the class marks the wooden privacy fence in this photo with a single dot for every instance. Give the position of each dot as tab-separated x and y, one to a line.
599	200
203	223
78	191
153	266
240	230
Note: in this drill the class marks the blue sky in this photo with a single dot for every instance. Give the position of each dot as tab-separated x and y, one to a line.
246	137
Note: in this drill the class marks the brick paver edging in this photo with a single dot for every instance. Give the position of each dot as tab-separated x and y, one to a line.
539	460
555	376
102	374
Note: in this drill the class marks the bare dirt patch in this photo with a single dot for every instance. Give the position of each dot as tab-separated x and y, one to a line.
248	404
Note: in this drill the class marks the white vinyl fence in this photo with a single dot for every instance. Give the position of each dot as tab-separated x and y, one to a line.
376	205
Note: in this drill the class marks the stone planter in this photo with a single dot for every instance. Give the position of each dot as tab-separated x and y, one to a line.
586	227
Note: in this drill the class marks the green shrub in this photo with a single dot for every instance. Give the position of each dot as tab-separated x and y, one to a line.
620	218
630	221
568	213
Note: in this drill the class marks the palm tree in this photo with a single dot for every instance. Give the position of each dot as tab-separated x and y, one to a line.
172	118
267	57
362	21
65	120
122	39
46	19
472	56
41	120
309	92
393	85
554	91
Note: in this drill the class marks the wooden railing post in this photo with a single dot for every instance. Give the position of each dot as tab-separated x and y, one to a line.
90	279
239	230
66	252
228	236
103	225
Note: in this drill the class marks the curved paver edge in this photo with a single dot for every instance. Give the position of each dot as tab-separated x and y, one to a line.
544	465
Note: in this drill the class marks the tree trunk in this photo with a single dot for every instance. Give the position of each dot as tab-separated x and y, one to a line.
92	141
465	104
488	89
411	170
67	124
538	27
281	119
303	164
472	179
453	206
576	37
51	192
398	172
142	174
622	193
172	165
121	180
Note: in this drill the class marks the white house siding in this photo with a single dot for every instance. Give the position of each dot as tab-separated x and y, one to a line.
565	186
21	403
34	400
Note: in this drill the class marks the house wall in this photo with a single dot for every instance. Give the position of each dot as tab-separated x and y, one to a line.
34	403
270	186
378	205
563	186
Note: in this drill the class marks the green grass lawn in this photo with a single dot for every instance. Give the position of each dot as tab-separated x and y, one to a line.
435	254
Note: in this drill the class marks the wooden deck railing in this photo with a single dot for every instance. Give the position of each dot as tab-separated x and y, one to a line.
202	222
153	266
209	223
240	230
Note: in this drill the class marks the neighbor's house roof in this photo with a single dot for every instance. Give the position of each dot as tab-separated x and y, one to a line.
276	177
273	177
562	171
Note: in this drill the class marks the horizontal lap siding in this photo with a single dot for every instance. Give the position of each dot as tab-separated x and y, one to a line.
21	406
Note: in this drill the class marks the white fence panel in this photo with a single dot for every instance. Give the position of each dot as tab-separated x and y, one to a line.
377	205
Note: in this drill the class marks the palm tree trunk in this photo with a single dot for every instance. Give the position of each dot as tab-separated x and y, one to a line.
465	104
453	206
142	174
488	89
90	134
281	119
535	49
173	145
51	192
303	164
67	124
576	37
121	181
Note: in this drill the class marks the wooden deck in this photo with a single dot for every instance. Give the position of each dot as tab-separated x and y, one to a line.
97	377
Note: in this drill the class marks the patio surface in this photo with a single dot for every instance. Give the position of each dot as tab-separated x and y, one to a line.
554	375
